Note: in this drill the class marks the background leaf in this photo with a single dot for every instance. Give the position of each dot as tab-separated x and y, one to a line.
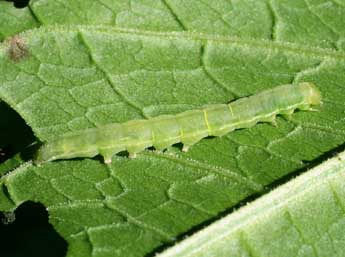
304	217
74	77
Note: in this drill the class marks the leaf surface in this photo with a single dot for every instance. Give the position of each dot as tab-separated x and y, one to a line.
66	78
317	23
13	20
304	217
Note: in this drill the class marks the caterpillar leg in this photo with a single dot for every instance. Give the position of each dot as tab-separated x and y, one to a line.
271	119
107	160
162	145
274	122
106	156
160	148
133	150
189	141
185	148
287	115
132	155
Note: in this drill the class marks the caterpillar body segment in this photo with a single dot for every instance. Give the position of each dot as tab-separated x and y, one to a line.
187	127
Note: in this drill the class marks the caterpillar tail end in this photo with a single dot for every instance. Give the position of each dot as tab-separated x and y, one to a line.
39	158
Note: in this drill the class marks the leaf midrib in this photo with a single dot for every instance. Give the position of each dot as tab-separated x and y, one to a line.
196	36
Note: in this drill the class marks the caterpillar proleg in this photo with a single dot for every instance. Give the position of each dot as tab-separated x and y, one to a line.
187	127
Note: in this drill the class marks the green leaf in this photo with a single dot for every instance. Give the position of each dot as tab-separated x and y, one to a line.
13	20
305	217
317	23
82	77
65	78
125	209
10	164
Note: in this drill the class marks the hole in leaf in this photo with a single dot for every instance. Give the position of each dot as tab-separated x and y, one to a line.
30	234
15	134
19	3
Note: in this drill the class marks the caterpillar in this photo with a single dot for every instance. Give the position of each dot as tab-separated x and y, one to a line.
187	127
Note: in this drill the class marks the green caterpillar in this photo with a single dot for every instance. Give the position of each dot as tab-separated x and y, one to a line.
186	127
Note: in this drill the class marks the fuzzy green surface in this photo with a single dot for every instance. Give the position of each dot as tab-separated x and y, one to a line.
80	77
13	20
315	23
279	224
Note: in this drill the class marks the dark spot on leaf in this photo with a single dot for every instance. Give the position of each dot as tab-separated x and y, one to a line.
17	49
27	232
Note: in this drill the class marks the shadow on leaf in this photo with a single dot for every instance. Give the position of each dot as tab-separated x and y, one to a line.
28	233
